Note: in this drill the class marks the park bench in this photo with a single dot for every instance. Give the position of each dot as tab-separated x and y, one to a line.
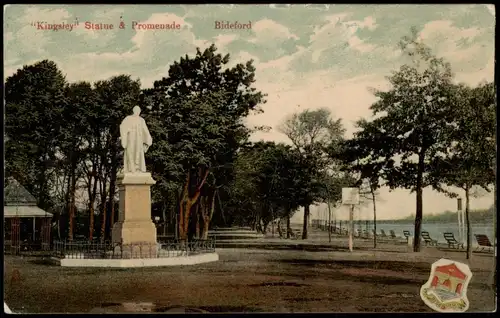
483	241
280	232
452	242
427	239
297	234
393	234
406	234
291	233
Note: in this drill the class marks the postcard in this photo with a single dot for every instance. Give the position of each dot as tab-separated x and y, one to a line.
249	158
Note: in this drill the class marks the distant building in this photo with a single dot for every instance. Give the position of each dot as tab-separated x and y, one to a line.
25	223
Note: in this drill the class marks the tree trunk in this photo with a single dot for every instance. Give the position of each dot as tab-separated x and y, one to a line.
272	221
329	222
112	185
187	202
306	222
42	181
374	201
91	220
68	206
104	170
257	222
182	208
92	196
59	227
181	231
199	211
72	203
208	213
164	212
177	225
288	228
205	230
264	226
104	197
104	223
467	201
419	211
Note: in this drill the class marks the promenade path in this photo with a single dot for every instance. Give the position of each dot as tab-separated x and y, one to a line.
275	275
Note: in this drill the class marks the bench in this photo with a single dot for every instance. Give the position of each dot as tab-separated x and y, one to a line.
297	234
357	233
483	241
452	242
427	239
393	234
407	235
366	235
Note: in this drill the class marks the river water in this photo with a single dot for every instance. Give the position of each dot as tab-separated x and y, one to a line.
435	230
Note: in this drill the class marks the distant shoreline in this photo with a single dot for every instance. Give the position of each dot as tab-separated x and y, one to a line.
484	216
412	221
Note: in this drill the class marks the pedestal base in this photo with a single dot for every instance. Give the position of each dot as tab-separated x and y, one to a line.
135	250
135	230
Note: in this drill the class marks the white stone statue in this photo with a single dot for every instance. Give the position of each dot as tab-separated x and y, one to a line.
136	140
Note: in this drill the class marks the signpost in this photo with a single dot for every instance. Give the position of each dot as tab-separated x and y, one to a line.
350	197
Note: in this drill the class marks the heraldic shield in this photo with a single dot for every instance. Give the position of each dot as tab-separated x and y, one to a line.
446	289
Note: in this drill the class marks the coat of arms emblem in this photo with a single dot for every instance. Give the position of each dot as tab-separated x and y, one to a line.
446	289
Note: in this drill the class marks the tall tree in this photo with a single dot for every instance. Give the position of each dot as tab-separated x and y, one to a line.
310	132
411	118
34	102
471	158
207	102
242	200
73	140
267	184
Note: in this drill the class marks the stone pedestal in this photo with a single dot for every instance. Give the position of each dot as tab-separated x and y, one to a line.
135	227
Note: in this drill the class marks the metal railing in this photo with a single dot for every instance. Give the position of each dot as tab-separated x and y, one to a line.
109	250
26	248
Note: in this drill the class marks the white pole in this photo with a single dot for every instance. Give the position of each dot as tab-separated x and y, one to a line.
459	216
464	228
460	221
351	228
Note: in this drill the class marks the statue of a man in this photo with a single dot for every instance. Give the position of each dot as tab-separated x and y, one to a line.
136	140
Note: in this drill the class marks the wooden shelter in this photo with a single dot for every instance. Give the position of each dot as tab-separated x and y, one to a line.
25	224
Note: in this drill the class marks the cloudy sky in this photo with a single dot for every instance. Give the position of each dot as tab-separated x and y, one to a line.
307	56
